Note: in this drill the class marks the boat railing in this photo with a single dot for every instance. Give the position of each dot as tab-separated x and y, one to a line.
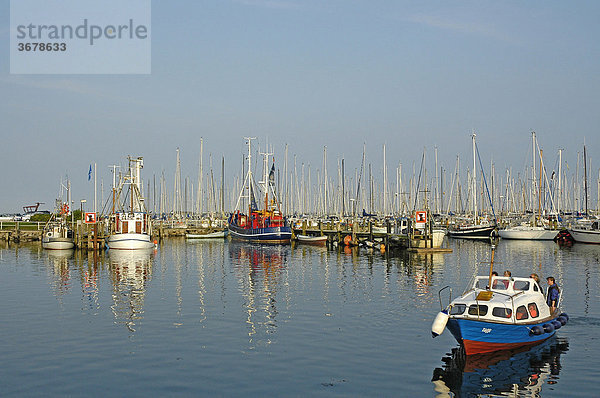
449	296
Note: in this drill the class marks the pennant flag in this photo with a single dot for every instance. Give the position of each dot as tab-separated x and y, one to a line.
90	173
272	175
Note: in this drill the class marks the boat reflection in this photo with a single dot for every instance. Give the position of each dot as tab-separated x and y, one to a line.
259	269
129	272
61	273
516	373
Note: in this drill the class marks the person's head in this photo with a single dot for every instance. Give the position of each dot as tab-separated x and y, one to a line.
494	273
550	280
535	277
506	273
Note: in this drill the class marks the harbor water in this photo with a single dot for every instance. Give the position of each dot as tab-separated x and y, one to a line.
219	318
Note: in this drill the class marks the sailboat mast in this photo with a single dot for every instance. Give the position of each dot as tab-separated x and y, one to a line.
474	194
585	185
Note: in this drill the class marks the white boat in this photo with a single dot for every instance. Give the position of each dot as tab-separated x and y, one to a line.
586	233
209	235
130	228
312	240
57	236
528	232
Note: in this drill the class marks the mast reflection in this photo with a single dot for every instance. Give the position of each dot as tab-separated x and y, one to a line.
518	373
258	269
129	272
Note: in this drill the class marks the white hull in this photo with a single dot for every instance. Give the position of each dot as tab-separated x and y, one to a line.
129	241
312	240
57	243
585	236
528	233
212	235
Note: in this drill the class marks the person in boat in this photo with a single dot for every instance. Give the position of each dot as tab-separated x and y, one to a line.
508	275
494	273
536	278
553	294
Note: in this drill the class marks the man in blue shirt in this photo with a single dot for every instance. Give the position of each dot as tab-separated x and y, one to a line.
553	293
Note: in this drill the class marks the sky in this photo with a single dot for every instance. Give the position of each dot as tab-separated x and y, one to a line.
341	74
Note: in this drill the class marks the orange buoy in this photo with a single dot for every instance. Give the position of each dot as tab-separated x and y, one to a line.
347	240
382	248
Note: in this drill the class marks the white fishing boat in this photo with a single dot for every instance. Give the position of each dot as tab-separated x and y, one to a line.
57	234
130	227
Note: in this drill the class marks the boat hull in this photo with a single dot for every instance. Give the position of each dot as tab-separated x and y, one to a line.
528	234
270	235
479	337
53	243
480	233
312	240
129	241
211	235
585	236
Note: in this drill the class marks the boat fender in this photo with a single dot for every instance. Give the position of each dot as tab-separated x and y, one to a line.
548	327
536	330
564	315
439	323
557	325
562	320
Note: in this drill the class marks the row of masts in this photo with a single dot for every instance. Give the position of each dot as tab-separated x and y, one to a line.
301	189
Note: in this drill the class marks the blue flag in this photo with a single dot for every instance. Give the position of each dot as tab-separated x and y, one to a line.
90	173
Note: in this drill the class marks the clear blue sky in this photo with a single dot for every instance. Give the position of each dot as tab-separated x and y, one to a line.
407	74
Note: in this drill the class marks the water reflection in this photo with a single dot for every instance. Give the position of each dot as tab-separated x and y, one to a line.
258	270
515	373
61	274
130	270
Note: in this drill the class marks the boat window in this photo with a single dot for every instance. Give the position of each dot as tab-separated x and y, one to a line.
502	312
533	310
521	313
458	309
480	310
500	284
521	285
535	287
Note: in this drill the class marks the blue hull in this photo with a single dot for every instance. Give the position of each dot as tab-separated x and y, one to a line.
479	337
261	235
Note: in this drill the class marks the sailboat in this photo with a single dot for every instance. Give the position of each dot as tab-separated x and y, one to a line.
130	227
586	231
57	235
536	229
477	229
261	226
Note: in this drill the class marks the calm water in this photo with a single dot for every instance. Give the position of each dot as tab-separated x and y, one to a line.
229	319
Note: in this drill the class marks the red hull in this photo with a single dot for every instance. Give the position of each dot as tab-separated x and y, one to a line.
477	347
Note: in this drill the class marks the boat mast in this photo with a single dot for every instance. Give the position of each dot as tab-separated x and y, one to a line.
474	183
585	185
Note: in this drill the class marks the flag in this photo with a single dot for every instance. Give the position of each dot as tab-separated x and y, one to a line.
90	173
272	175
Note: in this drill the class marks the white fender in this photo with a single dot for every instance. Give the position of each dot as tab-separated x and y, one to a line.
439	323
